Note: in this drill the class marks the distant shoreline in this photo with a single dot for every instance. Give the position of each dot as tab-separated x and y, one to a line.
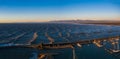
105	23
94	23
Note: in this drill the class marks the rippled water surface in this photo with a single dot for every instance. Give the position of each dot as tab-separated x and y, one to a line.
11	34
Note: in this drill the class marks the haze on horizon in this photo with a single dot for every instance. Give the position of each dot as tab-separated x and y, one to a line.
49	10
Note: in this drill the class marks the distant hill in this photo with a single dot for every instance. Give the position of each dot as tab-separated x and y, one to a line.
109	22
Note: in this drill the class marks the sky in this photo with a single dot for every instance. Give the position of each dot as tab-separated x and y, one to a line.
50	10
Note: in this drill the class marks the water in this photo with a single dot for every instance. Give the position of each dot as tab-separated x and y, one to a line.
60	33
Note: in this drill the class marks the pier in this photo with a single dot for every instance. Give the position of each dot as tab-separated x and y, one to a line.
114	41
100	42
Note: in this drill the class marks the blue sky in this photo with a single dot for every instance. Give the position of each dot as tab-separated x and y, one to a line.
47	10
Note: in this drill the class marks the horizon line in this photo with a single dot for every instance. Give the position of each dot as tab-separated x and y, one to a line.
55	21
